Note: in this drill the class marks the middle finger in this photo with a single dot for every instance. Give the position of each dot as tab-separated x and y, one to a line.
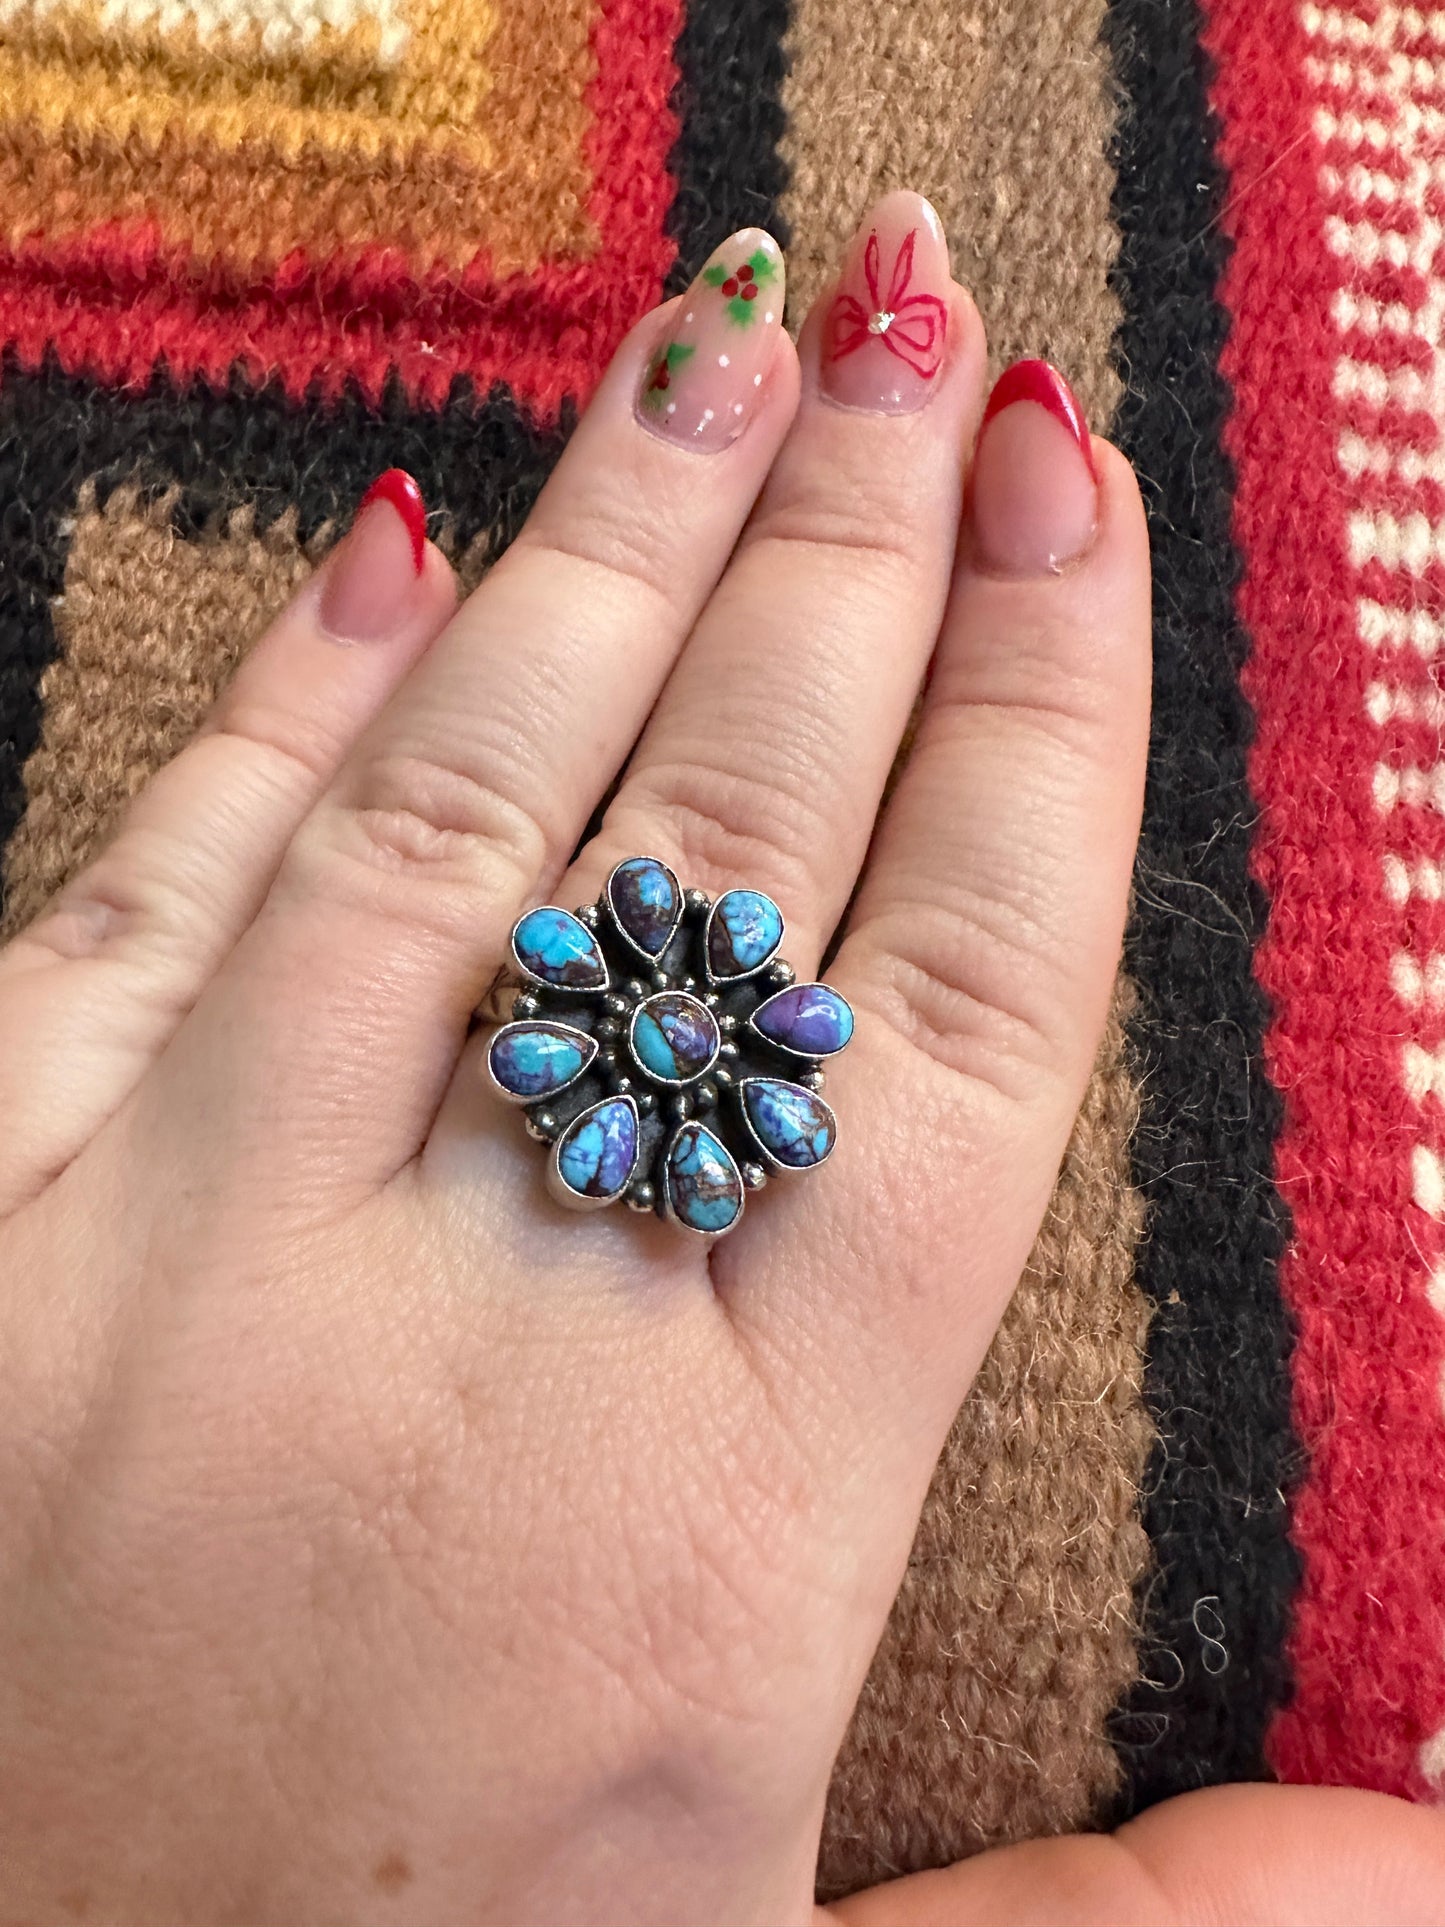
767	755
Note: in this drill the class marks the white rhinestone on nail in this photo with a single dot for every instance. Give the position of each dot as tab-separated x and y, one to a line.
880	323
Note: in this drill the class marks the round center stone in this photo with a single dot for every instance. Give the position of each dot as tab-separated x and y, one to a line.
674	1037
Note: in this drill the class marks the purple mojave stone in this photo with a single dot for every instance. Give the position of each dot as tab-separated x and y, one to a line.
674	1037
744	930
704	1186
555	948
536	1059
794	1126
646	901
810	1020
598	1150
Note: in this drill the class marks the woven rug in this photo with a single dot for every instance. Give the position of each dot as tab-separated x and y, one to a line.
1190	1525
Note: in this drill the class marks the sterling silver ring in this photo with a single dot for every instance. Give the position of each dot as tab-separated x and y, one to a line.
664	1050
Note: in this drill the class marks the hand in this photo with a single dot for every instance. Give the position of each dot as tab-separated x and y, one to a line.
380	1543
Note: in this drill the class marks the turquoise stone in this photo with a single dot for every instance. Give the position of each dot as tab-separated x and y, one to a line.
674	1037
533	1060
792	1124
557	949
646	901
704	1188
597	1152
808	1019
743	932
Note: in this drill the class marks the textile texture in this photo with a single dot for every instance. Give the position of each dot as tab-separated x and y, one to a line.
1190	1523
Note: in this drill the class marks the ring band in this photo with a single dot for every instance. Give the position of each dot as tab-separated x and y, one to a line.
664	1050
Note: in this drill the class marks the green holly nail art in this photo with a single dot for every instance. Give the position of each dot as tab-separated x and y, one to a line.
741	286
665	365
703	386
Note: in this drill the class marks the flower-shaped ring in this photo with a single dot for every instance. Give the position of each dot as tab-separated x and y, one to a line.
664	1050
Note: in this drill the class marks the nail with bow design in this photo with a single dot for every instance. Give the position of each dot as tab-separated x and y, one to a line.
887	327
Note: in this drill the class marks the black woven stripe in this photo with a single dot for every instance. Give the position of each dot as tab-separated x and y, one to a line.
1216	1607
728	98
482	464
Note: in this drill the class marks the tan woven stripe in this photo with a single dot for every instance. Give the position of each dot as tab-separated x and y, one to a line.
1000	112
147	630
983	1718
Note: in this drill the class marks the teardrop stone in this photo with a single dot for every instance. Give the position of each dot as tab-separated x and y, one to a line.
556	948
791	1123
597	1152
674	1036
743	932
808	1019
704	1186
646	900
533	1060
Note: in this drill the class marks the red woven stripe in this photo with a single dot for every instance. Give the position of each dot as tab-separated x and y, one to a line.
113	303
1369	1640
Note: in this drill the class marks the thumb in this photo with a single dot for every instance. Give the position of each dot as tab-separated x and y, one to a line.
1237	1856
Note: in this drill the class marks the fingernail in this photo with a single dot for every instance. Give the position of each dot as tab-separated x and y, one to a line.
887	327
701	387
1035	490
372	576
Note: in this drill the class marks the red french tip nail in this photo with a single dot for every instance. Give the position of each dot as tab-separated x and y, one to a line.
1040	381
398	488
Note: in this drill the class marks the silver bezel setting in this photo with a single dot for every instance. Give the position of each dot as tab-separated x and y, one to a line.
651	956
555	1025
673	1083
737	976
557	1184
770	1158
547	983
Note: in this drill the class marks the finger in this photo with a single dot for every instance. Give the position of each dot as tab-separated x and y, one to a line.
93	990
1285	1856
764	760
469	794
766	756
985	937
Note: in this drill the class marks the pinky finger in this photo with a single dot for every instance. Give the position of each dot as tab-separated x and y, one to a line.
93	990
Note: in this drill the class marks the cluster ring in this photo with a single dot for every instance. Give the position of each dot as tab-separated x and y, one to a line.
664	1051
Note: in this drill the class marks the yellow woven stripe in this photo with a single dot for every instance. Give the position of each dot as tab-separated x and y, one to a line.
315	33
342	97
250	206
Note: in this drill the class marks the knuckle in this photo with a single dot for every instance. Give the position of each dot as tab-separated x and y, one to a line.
971	986
289	751
1044	676
135	899
604	546
856	518
724	827
421	827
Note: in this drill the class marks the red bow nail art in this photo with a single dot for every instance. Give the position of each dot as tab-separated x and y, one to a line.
910	326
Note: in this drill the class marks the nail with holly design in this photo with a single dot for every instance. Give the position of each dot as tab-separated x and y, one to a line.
887	325
702	382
